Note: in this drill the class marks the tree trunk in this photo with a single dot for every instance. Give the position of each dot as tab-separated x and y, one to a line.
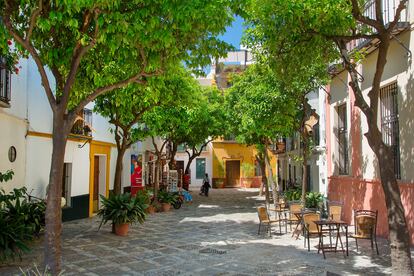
304	169
190	160
118	171
264	181
398	231
157	177
53	216
173	153
272	183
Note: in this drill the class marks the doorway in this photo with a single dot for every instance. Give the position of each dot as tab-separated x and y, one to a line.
99	181
233	173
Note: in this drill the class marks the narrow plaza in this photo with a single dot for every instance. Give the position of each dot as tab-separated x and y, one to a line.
212	236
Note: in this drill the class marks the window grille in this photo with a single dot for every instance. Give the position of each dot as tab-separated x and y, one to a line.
343	140
5	82
389	122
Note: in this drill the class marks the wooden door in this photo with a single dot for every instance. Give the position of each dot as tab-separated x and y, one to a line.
96	184
233	173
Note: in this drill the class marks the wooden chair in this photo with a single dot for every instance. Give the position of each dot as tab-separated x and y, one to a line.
365	222
294	207
310	228
265	220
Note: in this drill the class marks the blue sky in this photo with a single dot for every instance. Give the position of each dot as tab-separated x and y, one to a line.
233	33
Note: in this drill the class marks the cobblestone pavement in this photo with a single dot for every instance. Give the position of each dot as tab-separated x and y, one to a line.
212	236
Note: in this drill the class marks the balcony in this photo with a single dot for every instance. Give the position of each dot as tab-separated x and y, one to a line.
5	84
388	12
83	124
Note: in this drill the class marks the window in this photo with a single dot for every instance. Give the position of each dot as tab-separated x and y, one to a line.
389	122
5	82
316	136
12	154
181	148
342	140
67	183
200	168
83	123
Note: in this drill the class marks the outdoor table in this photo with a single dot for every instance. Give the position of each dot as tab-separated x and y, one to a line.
329	223
297	231
278	214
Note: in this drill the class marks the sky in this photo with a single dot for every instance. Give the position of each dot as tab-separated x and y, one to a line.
233	33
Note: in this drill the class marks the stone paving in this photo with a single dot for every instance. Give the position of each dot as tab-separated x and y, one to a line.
212	236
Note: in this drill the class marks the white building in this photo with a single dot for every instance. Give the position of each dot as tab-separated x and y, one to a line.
290	169
26	148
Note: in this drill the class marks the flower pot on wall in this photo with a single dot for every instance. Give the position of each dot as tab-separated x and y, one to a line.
122	229
151	209
247	182
218	183
165	207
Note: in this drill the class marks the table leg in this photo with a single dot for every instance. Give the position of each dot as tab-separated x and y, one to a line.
296	229
346	239
321	241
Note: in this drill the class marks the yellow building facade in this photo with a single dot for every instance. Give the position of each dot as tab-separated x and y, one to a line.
234	165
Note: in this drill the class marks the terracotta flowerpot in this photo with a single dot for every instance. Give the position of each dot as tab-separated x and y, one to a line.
151	210
122	229
165	207
247	183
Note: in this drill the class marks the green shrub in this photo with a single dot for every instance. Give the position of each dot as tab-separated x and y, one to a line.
313	200
293	194
167	197
20	221
122	209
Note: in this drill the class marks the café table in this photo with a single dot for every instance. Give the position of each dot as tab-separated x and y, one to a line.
298	227
279	213
332	225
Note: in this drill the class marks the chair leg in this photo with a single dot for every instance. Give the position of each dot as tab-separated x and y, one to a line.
269	229
356	241
258	232
376	245
308	243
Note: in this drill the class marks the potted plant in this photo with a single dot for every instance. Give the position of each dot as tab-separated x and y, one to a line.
313	200
248	173
166	199
218	183
122	210
147	197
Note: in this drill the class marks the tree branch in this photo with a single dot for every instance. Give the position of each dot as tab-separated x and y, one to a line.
33	19
29	47
356	13
401	6
78	53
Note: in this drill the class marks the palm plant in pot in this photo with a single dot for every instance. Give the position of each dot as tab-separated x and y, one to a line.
122	210
166	199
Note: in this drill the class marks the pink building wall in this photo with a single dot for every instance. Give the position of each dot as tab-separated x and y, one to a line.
356	192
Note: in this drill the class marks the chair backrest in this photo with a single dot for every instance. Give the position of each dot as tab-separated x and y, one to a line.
365	223
282	203
262	212
294	206
308	220
335	210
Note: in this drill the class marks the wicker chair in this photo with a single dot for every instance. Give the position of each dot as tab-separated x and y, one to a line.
365	222
265	220
294	206
310	228
335	210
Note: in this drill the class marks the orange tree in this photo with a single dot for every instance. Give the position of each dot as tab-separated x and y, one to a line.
298	35
93	47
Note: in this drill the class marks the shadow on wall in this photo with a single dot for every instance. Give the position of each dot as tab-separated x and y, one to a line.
406	124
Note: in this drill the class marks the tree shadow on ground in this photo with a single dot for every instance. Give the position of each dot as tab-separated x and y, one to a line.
214	235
